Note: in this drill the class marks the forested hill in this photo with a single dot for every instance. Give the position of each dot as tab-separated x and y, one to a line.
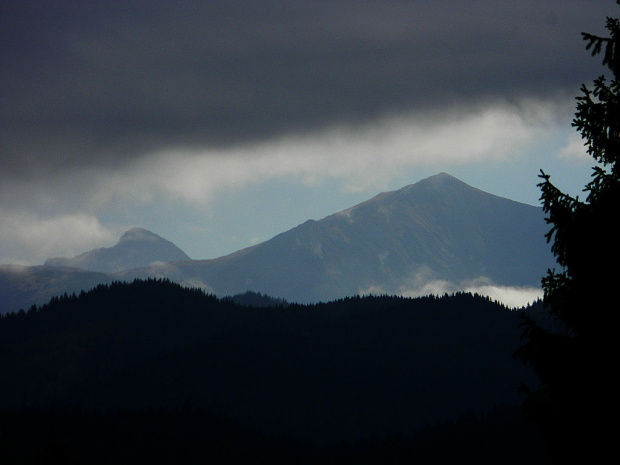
344	370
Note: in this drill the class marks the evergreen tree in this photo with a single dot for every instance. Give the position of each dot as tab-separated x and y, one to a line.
574	354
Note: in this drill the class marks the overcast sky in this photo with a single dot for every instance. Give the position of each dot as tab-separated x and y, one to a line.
218	124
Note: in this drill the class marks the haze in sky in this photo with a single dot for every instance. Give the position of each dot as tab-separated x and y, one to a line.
220	124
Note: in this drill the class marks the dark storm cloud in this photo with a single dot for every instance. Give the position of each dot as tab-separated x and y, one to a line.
100	83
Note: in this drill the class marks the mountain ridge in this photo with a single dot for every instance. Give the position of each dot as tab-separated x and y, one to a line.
436	235
437	229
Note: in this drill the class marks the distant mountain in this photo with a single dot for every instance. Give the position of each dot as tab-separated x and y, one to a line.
439	230
23	286
136	248
439	233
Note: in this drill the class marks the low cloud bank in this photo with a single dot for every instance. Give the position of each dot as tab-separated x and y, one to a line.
360	157
510	296
58	214
513	297
30	238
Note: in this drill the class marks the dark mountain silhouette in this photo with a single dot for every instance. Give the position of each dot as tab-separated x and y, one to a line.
347	370
256	299
135	249
439	229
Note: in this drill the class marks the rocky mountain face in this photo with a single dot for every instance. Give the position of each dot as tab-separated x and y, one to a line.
437	230
136	248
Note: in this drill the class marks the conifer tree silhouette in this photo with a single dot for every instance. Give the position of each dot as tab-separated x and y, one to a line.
575	353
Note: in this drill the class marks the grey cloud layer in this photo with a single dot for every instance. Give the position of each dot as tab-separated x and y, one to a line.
100	83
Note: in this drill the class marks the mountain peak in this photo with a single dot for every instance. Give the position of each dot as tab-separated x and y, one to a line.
136	248
442	176
139	234
439	180
442	186
426	191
